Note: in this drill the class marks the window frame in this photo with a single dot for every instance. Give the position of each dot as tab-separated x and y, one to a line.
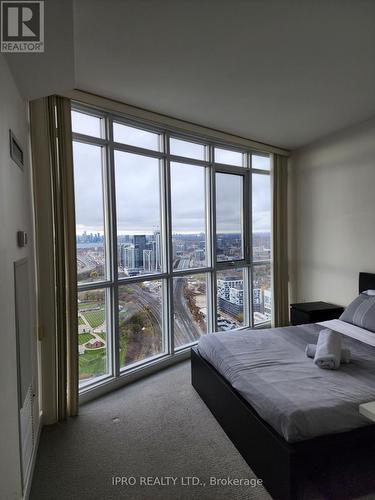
167	273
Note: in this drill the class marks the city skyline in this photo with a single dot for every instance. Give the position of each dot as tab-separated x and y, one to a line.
156	230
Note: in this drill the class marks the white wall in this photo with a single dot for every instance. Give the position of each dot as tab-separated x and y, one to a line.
332	215
52	71
15	214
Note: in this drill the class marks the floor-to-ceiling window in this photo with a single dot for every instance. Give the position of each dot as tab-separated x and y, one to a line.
173	241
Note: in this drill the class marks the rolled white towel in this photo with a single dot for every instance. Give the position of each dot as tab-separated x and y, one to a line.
328	350
345	353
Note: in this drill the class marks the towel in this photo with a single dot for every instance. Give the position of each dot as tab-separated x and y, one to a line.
328	350
345	353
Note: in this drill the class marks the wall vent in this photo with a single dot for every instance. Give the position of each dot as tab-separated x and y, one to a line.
16	152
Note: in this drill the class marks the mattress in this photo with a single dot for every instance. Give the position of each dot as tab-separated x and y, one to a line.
300	401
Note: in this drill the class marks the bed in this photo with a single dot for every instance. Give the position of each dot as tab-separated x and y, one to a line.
285	427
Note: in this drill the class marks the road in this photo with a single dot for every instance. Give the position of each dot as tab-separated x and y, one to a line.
185	330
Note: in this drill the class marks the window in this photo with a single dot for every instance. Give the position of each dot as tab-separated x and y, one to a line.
87	124
261	199
136	137
187	148
93	336
262	297
173	241
229	217
140	314
188	200
230	299
229	157
260	162
261	238
90	212
137	180
190	308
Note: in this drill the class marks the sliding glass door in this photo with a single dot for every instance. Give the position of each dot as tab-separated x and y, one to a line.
173	241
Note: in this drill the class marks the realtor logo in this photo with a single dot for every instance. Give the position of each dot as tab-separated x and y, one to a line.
22	26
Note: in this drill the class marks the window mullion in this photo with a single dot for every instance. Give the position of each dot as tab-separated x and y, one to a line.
168	248
111	193
250	243
247	297
212	289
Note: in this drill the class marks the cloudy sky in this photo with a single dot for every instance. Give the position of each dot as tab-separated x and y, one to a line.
138	198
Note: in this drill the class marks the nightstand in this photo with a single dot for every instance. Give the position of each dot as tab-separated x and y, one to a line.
313	312
368	410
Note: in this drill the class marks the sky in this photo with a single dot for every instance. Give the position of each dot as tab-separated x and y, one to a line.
137	181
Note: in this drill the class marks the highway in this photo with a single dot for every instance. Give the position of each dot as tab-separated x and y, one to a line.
185	330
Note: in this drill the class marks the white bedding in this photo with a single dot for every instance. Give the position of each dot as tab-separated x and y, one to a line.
352	331
269	368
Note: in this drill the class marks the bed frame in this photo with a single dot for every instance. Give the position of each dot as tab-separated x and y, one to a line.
281	465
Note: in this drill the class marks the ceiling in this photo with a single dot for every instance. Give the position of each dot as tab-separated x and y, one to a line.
283	72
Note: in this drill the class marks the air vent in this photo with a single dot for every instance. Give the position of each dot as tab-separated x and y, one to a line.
16	152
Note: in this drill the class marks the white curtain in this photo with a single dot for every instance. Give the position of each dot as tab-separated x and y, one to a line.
51	141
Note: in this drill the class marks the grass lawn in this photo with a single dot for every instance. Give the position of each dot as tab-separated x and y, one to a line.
92	364
102	335
87	305
95	318
84	337
80	321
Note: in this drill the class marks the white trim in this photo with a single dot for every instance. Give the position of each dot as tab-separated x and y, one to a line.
174	124
129	377
31	468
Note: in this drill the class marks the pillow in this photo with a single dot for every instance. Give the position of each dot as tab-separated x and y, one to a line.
369	292
361	312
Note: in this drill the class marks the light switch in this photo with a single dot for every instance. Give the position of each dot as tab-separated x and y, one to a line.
21	238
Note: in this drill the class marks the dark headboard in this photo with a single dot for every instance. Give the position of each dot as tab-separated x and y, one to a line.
366	282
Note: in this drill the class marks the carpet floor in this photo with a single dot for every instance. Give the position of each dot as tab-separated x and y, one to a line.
154	428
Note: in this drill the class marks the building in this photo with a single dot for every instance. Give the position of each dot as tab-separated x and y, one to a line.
128	256
148	261
230	295
224	286
257	299
236	295
139	246
199	255
156	248
267	302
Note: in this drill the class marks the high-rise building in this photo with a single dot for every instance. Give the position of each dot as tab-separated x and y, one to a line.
267	300
127	256
148	261
224	286
156	251
139	246
236	295
257	299
230	295
199	255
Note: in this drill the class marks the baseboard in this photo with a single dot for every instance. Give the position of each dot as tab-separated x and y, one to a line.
30	472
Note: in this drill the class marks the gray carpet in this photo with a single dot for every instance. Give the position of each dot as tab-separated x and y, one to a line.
155	427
